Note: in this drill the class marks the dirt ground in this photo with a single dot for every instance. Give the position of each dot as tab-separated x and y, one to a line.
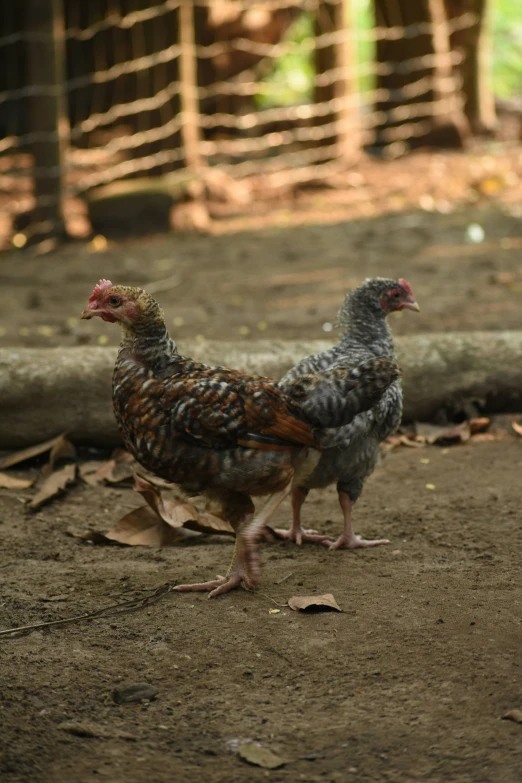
409	682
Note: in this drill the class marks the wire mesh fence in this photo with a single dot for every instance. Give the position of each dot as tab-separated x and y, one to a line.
113	90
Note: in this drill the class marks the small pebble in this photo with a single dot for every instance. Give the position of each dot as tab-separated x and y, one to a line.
135	694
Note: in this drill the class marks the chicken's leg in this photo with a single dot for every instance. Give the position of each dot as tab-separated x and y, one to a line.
245	566
348	539
235	574
296	532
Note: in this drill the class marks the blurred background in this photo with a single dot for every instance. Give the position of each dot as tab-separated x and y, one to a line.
249	161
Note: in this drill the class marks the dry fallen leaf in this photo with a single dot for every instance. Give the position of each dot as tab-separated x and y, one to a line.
410	440
120	467
324	602
88	472
10	482
140	527
517	427
165	521
259	756
453	433
514	715
29	453
62	449
177	512
412	443
479	425
53	486
432	433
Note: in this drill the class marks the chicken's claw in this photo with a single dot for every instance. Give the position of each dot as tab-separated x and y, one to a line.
355	542
223	584
300	536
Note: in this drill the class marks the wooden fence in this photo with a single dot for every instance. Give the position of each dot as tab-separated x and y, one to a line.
110	90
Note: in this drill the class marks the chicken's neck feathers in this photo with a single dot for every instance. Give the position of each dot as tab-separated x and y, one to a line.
149	343
364	326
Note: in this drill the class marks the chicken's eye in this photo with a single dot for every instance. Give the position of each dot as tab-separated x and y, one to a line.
397	295
114	301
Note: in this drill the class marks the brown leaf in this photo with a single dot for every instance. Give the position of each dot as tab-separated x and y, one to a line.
87	729
88	472
431	433
324	602
485	437
514	715
178	512
412	443
260	757
10	482
120	467
140	527
28	453
479	425
62	449
165	521
53	486
517	427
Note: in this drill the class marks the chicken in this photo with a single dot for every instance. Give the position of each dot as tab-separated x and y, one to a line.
350	453
220	432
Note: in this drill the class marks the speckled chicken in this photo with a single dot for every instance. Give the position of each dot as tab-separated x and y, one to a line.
220	432
350	453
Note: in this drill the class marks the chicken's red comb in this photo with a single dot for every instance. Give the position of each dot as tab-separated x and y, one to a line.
406	285
101	285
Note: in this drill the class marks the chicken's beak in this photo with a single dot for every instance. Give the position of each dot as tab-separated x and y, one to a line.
408	305
90	312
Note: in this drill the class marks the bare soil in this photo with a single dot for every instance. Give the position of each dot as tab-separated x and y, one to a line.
408	684
410	681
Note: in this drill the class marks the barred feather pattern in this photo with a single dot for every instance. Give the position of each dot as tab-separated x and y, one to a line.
216	430
350	452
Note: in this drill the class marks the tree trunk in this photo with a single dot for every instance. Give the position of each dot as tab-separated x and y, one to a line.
474	40
45	52
335	67
45	392
415	70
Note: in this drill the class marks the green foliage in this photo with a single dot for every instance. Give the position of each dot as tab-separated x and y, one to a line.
290	79
507	48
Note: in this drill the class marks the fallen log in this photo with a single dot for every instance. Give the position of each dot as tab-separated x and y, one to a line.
45	392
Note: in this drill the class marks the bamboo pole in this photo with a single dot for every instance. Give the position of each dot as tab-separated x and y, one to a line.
444	77
188	79
48	112
345	89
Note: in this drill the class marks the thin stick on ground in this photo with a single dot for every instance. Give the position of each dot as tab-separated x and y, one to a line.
114	610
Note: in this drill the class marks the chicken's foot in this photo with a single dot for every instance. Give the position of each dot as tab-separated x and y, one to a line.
296	532
348	539
246	564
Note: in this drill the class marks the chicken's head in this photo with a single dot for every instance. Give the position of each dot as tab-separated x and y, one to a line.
397	295
374	299
119	303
